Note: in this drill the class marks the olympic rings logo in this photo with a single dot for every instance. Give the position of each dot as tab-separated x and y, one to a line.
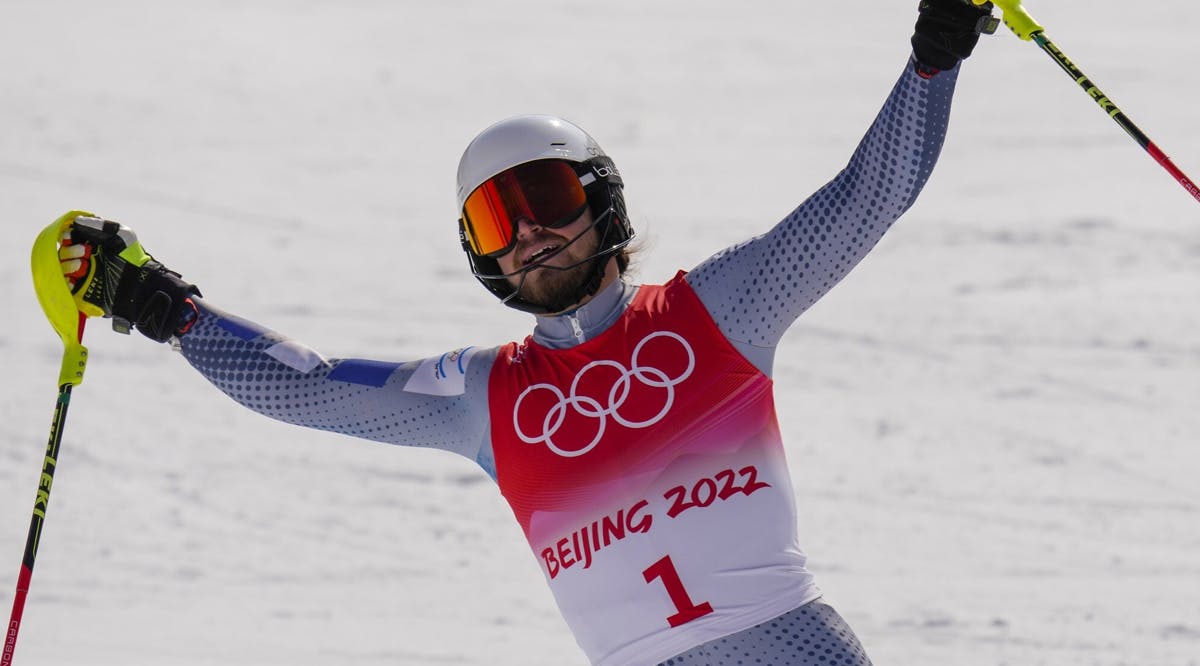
583	405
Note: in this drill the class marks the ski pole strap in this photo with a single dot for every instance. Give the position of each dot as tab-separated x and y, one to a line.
56	300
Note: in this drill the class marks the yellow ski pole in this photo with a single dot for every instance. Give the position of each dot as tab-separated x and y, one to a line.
1024	26
59	306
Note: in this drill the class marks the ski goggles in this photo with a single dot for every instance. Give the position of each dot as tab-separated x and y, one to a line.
548	193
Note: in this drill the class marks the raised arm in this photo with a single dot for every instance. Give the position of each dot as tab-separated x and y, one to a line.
756	289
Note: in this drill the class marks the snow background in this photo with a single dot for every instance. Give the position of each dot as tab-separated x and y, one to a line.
991	423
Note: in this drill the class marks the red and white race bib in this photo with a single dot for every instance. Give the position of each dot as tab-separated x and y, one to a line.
646	469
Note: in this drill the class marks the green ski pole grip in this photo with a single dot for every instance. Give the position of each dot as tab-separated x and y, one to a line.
1016	18
56	300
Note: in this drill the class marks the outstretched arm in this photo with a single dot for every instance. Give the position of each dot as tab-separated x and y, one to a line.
438	402
756	289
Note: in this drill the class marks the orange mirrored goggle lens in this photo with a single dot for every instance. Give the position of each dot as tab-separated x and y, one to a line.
546	192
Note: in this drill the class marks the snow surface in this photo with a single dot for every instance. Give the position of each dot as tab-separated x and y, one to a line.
992	422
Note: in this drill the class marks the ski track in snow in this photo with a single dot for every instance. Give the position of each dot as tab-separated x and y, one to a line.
992	422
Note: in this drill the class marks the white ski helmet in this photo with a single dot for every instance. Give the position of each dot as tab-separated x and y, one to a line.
530	138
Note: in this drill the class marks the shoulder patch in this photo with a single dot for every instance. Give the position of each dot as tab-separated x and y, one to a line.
443	375
296	356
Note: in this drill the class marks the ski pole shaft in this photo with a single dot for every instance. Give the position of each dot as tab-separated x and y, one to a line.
1115	113
66	319
1025	27
40	505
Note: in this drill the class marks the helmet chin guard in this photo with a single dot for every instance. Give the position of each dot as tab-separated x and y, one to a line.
523	139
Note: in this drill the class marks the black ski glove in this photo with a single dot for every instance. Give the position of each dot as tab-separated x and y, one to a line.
121	281
947	31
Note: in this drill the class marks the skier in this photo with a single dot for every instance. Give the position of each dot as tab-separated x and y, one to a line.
633	433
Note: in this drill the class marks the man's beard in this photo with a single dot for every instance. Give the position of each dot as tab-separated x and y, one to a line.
557	290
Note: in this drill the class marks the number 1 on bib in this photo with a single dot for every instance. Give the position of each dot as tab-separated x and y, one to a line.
664	570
